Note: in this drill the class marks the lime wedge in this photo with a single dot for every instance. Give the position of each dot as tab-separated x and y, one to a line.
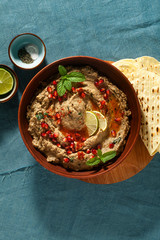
102	120
91	121
6	81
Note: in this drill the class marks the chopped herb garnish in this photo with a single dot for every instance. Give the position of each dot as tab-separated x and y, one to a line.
79	113
39	116
101	157
66	80
117	140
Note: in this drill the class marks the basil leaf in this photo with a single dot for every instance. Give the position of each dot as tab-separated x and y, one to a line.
39	116
93	161
61	89
76	74
99	153
75	79
68	85
62	70
108	156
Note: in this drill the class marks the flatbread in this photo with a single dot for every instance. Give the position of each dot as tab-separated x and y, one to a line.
146	82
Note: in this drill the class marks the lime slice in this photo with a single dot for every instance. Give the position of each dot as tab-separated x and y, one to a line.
102	120
6	81
91	121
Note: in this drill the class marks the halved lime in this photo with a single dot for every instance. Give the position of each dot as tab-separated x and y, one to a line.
91	121
6	81
102	120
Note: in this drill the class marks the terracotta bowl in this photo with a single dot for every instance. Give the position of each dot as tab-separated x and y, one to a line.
115	76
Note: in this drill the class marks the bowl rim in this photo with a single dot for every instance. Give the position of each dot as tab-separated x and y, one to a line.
16	80
27	33
69	174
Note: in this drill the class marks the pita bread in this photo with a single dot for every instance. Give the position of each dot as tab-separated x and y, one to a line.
144	74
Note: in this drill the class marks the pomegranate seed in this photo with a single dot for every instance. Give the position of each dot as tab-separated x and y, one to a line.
111	145
94	151
54	140
77	136
50	95
55	94
96	83
69	152
99	146
69	138
79	146
117	119
92	156
105	96
83	139
79	90
48	132
113	132
83	95
65	96
55	135
102	90
43	134
65	139
51	135
88	151
101	81
49	89
59	99
42	124
73	89
72	145
54	83
58	121
103	102
58	116
58	145
66	160
108	92
46	126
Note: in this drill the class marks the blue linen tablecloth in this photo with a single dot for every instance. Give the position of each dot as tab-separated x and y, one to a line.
36	204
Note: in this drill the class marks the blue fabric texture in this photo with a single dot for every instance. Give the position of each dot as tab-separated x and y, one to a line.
36	204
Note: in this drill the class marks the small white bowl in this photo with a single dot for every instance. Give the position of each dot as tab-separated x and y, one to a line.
22	41
6	97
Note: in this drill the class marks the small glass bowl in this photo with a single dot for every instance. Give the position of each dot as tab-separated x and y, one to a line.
6	97
25	41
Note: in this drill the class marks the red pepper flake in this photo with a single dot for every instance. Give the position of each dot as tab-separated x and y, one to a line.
66	160
49	89
113	133
117	119
58	121
80	155
111	145
54	83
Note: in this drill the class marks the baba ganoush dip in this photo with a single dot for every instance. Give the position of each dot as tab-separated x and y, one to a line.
58	123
